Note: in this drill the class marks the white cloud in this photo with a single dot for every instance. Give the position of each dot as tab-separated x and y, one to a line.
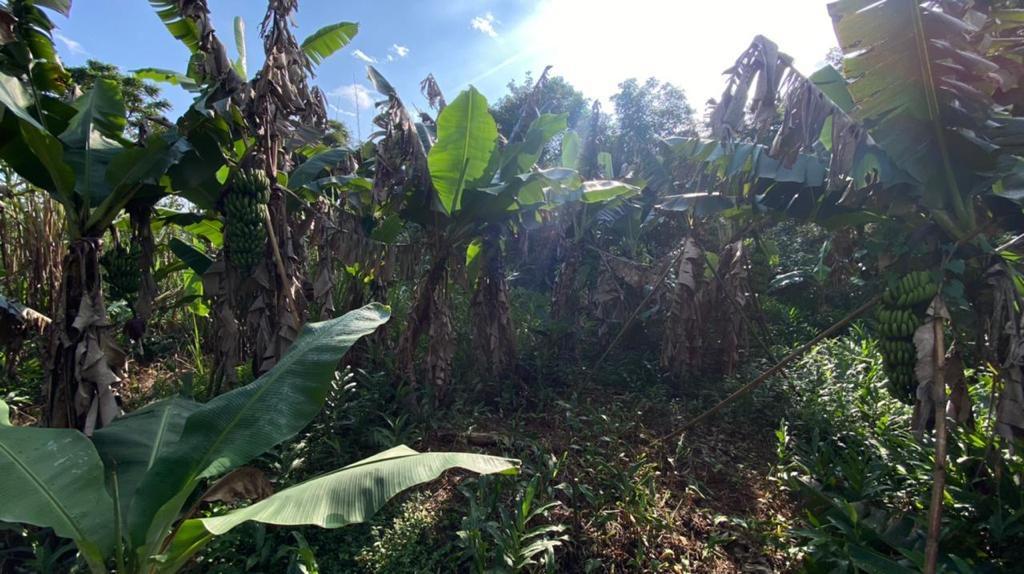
485	24
72	46
361	55
399	50
341	111
354	95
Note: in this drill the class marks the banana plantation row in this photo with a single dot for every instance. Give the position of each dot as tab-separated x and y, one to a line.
247	222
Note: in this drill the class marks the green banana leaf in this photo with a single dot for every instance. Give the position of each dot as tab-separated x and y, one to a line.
905	101
195	259
44	166
180	27
91	139
16	99
239	425
167	77
346	496
519	157
132	443
242	63
604	190
319	45
131	168
53	478
308	170
571	150
467	138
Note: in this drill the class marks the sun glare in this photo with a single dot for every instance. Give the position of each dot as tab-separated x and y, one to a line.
595	45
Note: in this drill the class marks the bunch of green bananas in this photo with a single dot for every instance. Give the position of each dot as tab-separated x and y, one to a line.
121	272
898	317
761	271
245	234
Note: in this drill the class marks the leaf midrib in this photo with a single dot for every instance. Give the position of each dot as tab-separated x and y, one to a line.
46	492
289	358
159	436
934	112
457	200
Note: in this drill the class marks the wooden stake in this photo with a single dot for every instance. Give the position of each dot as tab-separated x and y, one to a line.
632	317
774	369
931	552
278	260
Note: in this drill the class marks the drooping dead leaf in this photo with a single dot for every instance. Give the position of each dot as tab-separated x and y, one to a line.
18	321
959	406
762	62
682	342
924	367
432	91
1005	347
245	483
490	308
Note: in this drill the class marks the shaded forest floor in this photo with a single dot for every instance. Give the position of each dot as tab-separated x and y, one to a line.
615	496
705	502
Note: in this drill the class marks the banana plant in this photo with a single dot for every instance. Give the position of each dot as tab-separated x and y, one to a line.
927	143
129	496
78	154
478	190
923	133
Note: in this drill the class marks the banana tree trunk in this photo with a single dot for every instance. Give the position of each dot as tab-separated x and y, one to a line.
493	336
142	236
84	362
683	342
431	315
289	298
565	301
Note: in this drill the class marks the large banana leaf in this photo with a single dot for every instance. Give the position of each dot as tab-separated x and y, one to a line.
346	496
91	139
133	443
604	190
130	169
237	426
44	166
922	90
99	111
519	157
467	138
53	478
314	166
180	27
571	150
319	45
16	99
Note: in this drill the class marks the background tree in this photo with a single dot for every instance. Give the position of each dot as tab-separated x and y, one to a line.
649	111
337	134
557	96
142	100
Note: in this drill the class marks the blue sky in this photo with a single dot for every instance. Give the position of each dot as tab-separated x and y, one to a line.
593	43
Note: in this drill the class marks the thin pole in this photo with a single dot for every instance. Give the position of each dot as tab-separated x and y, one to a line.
774	369
931	552
632	317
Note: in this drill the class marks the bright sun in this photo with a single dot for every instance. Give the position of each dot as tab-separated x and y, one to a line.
595	45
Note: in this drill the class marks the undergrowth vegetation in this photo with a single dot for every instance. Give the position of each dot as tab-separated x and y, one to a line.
523	335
